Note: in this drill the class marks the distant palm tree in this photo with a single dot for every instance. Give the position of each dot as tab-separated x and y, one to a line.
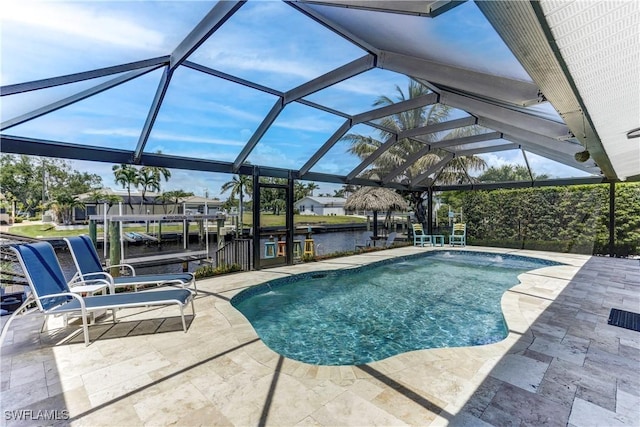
110	200
311	187
164	199
174	197
63	205
510	172
148	180
239	185
96	195
126	175
160	173
455	171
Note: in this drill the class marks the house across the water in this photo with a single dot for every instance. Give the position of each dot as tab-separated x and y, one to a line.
311	205
151	204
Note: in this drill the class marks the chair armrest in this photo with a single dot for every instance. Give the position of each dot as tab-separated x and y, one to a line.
129	266
83	306
98	275
84	282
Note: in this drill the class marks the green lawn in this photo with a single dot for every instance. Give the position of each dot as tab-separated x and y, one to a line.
270	220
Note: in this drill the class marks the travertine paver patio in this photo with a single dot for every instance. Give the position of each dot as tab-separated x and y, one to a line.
560	365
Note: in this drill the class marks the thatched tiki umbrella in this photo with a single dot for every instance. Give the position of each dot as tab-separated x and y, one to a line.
375	199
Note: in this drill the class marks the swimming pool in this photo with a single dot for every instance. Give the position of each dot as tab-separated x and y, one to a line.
355	316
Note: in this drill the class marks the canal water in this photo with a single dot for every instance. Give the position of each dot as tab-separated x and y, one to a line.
325	243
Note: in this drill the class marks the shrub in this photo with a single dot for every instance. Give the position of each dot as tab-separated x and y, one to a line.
210	270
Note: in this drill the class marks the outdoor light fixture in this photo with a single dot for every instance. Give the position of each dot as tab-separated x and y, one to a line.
582	156
633	133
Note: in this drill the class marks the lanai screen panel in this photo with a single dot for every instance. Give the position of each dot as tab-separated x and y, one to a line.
359	93
16	105
543	166
294	137
206	117
269	43
113	118
59	38
339	160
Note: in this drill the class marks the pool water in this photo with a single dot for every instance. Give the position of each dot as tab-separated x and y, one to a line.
435	299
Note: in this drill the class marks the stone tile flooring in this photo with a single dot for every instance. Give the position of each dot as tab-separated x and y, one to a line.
560	365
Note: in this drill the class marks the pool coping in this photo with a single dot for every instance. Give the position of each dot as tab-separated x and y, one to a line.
305	277
517	323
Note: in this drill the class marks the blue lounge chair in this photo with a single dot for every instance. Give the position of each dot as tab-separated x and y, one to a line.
89	268
419	238
53	296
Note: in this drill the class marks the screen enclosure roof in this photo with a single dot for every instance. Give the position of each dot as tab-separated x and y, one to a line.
424	87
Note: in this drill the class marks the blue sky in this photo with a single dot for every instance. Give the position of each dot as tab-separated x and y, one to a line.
210	118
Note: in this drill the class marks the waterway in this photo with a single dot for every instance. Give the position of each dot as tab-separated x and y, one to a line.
325	243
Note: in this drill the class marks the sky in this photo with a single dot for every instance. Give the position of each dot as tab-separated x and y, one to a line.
266	42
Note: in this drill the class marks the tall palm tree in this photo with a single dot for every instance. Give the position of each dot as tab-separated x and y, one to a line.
160	173
126	175
239	186
148	180
455	171
164	198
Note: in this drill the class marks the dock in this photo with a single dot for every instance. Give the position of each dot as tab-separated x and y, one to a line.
175	258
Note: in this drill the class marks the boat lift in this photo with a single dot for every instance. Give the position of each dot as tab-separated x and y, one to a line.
115	236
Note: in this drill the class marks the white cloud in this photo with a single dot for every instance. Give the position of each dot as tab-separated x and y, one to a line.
310	124
165	136
82	23
256	61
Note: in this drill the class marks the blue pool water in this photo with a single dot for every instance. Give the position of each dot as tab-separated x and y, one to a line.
435	299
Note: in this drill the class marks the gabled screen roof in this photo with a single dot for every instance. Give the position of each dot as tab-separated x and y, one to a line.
380	93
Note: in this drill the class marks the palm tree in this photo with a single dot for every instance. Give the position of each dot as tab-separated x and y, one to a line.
509	172
164	199
148	180
110	200
63	205
239	185
175	196
126	175
312	186
455	171
159	172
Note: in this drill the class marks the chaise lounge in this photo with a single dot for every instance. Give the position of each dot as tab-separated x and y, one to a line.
89	268
50	291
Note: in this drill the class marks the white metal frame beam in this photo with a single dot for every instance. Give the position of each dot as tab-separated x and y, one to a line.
161	91
516	92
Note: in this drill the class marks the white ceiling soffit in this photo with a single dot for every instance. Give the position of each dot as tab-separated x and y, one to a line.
590	65
600	44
